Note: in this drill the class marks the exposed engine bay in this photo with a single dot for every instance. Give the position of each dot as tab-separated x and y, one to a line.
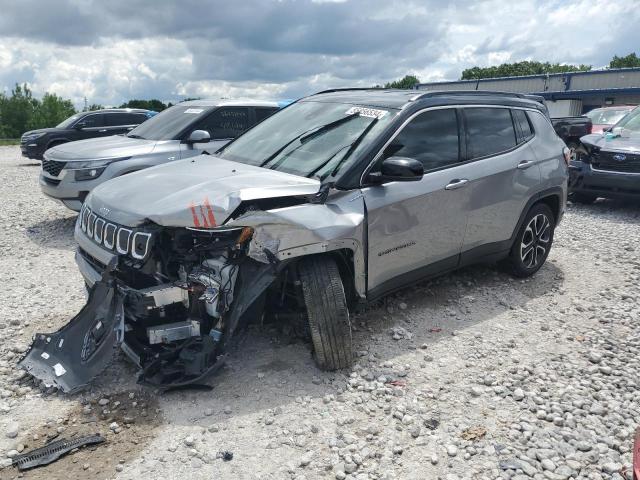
172	306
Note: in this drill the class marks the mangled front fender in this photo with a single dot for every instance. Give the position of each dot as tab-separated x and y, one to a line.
308	229
74	355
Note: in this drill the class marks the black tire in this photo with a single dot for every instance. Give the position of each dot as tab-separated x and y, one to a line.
327	312
584	198
533	242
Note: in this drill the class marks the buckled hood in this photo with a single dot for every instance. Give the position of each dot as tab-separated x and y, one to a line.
607	142
102	148
198	192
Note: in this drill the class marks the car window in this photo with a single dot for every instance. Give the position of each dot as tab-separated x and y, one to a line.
606	116
431	137
138	118
118	119
93	120
262	113
226	122
171	123
522	121
489	131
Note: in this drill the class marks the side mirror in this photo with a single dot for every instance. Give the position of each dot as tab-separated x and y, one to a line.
198	136
80	125
607	129
398	169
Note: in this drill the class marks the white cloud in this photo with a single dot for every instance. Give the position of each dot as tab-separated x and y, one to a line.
108	52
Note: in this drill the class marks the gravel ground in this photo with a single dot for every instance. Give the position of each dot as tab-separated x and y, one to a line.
473	376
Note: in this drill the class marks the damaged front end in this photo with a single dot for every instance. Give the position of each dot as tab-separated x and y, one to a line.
169	298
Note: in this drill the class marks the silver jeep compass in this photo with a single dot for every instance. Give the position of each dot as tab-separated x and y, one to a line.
334	201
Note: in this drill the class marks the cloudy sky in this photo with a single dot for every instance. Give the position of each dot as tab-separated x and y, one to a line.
111	51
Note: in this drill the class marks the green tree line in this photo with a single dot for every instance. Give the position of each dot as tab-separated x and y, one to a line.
518	69
21	111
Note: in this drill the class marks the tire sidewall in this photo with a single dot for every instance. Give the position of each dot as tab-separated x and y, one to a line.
519	268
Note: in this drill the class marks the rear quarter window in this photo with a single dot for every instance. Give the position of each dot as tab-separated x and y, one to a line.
489	131
523	124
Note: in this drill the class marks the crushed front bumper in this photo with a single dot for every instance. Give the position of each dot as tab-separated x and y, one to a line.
74	355
587	180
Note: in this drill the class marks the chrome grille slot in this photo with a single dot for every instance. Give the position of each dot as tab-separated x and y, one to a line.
140	245
124	234
98	227
109	235
90	224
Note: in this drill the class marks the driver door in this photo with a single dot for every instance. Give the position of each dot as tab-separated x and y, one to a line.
416	228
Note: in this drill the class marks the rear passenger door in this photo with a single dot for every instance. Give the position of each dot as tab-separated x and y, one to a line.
260	113
505	175
120	122
223	124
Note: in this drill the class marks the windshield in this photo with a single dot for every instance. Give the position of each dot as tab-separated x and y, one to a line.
606	116
310	139
631	123
168	124
67	123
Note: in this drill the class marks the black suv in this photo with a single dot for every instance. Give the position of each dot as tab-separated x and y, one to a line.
97	123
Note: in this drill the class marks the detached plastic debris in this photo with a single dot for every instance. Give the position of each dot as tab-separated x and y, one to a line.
53	451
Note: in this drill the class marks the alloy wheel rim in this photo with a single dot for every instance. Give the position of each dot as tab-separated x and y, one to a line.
535	241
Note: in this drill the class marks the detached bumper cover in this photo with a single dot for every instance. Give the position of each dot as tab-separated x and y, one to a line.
584	179
74	355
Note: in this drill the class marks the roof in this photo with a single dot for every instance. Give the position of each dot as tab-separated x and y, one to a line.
122	110
392	98
228	103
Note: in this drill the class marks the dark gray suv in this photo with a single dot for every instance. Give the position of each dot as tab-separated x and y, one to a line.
336	200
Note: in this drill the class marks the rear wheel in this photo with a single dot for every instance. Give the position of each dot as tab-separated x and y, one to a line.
327	312
533	242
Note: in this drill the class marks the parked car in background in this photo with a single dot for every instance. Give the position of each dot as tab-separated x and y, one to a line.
96	123
605	117
71	171
570	129
336	200
610	164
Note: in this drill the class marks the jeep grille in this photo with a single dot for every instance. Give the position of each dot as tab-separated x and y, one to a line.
113	237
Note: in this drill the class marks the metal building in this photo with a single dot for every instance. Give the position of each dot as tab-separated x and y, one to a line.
566	93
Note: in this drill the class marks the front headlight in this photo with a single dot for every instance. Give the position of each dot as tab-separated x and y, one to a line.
33	137
93	163
90	169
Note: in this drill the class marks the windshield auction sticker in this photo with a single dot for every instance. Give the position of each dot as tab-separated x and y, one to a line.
367	112
193	110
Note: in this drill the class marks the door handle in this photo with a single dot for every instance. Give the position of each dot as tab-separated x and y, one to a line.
103	130
524	164
456	183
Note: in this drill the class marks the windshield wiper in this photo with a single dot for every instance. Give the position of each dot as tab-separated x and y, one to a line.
354	145
308	134
133	135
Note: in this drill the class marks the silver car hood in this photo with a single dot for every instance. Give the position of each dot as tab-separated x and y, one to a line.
200	192
115	146
614	144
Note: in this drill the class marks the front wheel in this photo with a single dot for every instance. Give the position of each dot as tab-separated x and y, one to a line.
533	242
327	312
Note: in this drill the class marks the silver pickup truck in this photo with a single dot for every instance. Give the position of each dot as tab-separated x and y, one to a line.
334	201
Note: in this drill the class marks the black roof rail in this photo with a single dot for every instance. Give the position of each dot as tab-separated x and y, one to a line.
346	89
440	93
